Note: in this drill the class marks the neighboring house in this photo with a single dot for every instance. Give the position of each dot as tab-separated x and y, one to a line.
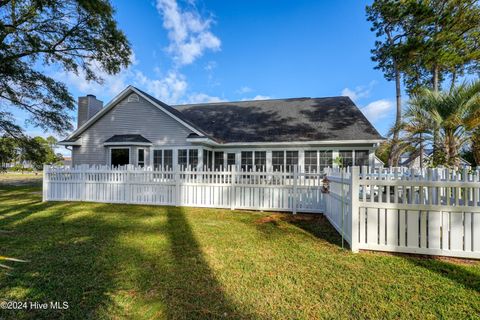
66	161
135	128
23	163
412	160
378	163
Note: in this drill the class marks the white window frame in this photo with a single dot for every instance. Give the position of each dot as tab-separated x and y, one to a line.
144	157
116	148
174	154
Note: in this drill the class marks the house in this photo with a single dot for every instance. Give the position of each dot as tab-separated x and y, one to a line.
378	163
136	128
66	161
412	160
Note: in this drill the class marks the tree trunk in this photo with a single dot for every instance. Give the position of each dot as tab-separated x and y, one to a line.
435	78
454	79
435	130
421	151
476	146
452	152
392	157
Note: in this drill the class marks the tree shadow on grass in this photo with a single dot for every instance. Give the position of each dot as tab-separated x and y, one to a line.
62	264
455	271
85	259
313	224
197	294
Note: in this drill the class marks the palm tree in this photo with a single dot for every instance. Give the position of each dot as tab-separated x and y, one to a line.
415	130
476	145
444	120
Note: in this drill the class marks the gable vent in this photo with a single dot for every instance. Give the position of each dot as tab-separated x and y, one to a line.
133	98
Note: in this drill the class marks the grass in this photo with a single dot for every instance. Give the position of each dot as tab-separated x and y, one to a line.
18	179
149	262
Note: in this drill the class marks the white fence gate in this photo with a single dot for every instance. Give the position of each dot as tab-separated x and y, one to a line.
434	212
233	189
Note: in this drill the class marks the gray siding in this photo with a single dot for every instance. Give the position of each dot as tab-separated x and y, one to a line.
129	118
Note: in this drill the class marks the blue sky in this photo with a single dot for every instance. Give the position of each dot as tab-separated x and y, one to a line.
196	51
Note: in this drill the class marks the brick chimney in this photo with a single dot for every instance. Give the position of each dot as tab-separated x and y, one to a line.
88	106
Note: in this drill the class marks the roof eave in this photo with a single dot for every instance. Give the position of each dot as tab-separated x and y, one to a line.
312	142
146	144
209	141
70	143
204	140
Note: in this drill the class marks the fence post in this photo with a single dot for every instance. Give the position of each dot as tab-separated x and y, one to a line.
177	185
83	183
45	184
233	196
354	194
295	193
128	186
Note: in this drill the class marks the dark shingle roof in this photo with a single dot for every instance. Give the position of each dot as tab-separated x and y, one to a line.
280	120
132	138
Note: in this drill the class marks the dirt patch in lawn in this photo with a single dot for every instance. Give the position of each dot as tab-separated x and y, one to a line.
276	217
461	261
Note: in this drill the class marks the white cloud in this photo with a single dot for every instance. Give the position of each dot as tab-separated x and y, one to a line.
202	98
189	36
111	85
257	97
188	32
210	65
260	97
359	92
378	109
244	90
168	89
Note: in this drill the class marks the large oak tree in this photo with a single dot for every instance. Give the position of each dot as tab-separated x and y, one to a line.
76	35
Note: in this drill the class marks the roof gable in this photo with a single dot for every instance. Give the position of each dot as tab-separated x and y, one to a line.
125	93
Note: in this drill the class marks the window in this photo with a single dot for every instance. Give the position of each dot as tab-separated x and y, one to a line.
218	160
231	159
347	160
188	158
141	158
247	160
260	160
207	159
168	159
278	160
310	158
157	159
291	160
162	159
120	157
361	157
325	159
193	158
183	158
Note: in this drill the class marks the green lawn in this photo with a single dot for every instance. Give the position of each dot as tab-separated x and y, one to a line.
19	179
148	262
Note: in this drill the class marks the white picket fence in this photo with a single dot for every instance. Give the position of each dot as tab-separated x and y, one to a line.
433	212
233	189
